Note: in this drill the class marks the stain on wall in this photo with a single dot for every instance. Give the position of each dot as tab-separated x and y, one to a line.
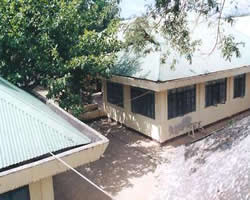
180	127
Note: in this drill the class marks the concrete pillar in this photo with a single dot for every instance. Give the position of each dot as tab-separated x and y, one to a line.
42	190
230	89
202	96
161	106
127	98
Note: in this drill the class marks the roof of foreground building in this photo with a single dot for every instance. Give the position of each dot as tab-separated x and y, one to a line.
29	129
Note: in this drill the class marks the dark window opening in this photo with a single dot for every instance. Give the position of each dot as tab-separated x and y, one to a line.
143	102
18	194
240	86
181	101
216	92
115	93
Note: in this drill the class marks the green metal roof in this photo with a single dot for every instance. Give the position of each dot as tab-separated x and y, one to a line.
29	129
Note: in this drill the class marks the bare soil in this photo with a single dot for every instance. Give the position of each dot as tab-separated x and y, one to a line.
136	168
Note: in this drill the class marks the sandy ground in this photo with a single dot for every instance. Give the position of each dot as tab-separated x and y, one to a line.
217	167
137	168
125	171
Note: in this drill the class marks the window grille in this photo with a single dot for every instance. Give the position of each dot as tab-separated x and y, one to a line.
18	194
143	102
115	93
216	92
240	86
181	101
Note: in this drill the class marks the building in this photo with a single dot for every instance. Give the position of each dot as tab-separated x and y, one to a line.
33	136
163	102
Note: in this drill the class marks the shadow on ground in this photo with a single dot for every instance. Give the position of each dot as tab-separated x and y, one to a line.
128	156
131	156
223	140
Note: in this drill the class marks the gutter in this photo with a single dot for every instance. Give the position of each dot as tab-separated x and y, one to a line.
36	171
159	86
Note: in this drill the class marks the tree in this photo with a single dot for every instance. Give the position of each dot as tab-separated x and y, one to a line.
170	18
61	44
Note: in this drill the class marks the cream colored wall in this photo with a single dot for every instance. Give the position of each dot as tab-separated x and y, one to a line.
42	190
162	129
207	115
145	125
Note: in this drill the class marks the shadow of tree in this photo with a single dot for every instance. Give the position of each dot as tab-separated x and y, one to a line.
130	65
128	156
131	156
127	65
222	140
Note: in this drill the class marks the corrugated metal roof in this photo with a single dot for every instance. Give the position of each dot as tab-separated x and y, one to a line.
151	67
30	129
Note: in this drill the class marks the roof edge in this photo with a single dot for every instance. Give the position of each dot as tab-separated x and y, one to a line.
49	166
164	85
38	170
76	123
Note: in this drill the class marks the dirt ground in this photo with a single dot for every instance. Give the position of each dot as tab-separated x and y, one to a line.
132	165
217	167
125	171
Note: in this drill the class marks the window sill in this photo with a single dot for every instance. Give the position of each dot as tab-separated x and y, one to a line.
181	116
115	105
143	115
216	105
240	97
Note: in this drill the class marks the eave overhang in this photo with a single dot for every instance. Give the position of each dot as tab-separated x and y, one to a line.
50	166
159	86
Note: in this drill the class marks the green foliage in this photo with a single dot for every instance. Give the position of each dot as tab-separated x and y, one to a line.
177	33
61	44
170	18
138	34
230	47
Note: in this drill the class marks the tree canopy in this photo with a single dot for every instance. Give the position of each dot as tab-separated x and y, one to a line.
61	44
66	45
171	19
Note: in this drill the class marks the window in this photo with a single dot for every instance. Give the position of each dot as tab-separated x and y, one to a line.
143	102
181	101
115	93
18	194
239	86
216	92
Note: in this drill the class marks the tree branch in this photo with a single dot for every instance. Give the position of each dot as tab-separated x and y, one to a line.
218	29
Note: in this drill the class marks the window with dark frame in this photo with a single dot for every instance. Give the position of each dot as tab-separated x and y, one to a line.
240	86
18	194
115	93
143	102
216	92
181	101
